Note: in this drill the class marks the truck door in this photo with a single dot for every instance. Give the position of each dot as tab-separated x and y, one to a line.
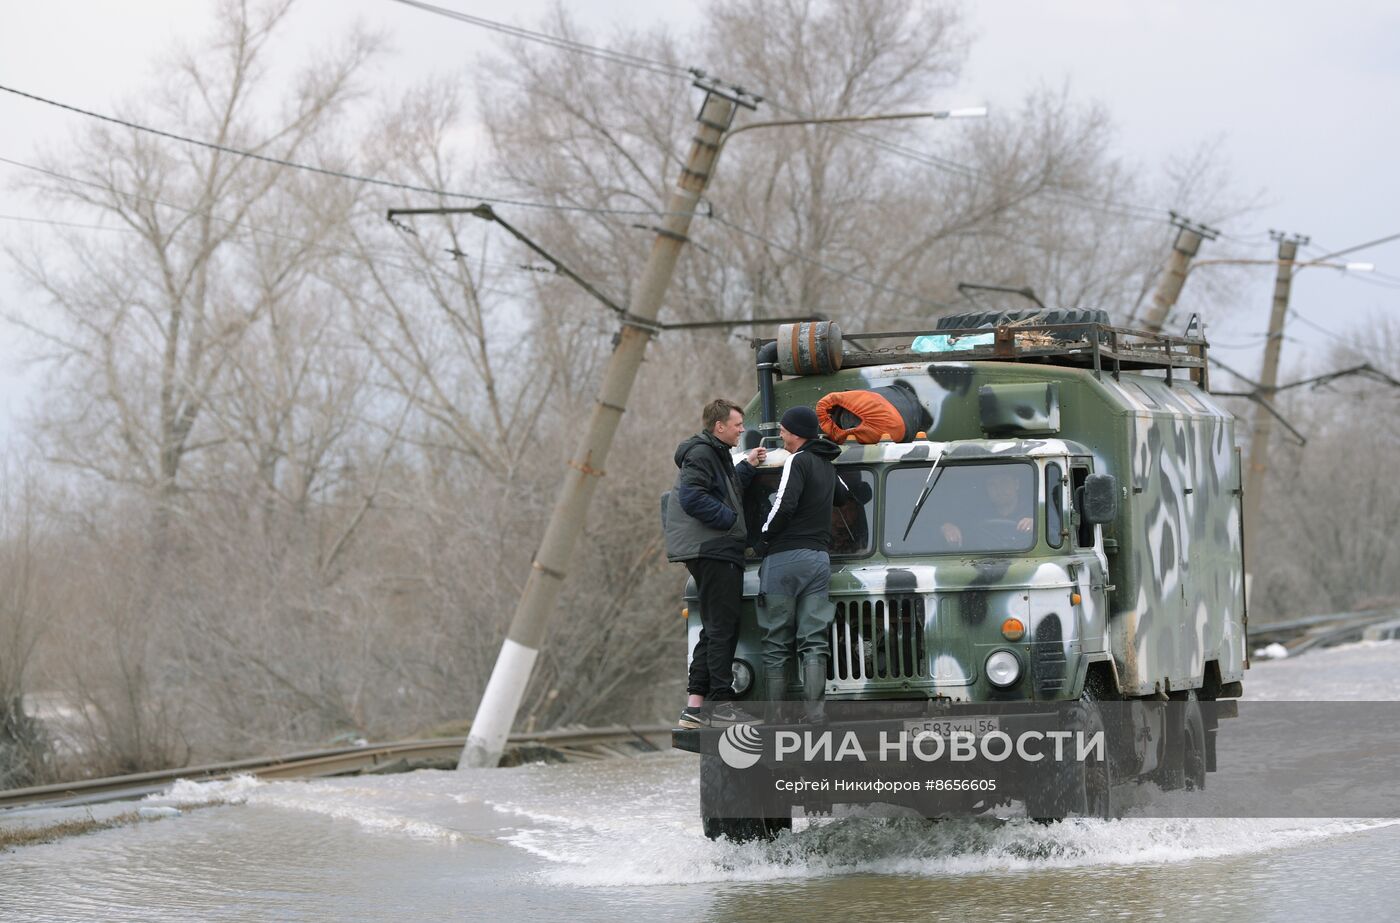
1088	563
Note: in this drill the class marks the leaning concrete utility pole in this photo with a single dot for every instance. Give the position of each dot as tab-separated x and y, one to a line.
511	674
1188	243
1268	383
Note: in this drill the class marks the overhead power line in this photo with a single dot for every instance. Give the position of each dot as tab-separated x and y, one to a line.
1116	208
1330	334
324	171
1121	209
613	56
1366	246
846	274
66	224
276	234
413	188
1125	210
1254	239
237	225
524	267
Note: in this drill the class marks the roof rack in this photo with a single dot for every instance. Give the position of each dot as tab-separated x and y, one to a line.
1100	347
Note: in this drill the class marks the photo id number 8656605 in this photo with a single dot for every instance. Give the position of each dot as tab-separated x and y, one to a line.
960	785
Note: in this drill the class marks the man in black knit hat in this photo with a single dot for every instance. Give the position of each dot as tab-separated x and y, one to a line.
794	608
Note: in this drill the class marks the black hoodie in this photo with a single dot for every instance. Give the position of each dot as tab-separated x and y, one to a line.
801	514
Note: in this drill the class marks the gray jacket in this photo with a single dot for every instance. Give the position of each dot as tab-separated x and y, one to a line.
703	515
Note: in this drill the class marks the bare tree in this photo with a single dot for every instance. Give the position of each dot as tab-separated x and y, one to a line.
1327	544
25	751
145	331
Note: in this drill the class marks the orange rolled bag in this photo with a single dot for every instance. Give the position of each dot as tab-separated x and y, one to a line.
860	415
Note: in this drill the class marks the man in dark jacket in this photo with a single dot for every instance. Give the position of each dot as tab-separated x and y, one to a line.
705	530
793	603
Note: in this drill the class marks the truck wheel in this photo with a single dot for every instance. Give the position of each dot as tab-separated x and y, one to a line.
1074	787
1170	773
720	796
1194	754
1098	773
745	829
1184	753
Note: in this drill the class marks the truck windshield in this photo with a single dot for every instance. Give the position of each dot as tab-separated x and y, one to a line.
852	522
975	508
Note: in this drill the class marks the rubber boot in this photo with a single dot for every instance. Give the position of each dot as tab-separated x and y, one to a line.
775	683
814	689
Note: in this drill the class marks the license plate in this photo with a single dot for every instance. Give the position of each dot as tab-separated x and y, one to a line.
976	725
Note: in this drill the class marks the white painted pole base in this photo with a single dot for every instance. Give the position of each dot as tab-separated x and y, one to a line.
505	689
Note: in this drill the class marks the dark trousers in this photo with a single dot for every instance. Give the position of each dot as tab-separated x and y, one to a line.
721	588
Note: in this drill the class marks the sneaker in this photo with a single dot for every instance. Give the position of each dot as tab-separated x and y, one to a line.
729	713
693	716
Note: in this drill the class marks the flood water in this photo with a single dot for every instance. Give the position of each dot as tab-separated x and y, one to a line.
621	838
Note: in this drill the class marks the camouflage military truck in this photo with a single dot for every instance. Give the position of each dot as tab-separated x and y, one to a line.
1126	587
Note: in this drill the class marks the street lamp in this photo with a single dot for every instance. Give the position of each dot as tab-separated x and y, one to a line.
1165	298
1296	264
966	112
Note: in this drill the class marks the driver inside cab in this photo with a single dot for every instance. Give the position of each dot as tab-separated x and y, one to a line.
1002	520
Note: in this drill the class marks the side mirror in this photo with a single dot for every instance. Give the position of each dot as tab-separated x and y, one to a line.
1100	499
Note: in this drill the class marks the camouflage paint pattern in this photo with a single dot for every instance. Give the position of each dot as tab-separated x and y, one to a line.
1161	593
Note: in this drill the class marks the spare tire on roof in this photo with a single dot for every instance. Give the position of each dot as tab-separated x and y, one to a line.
989	319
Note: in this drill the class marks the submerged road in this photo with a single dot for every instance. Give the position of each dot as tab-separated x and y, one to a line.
620	838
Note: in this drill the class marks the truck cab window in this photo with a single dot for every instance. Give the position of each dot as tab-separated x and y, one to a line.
1084	535
973	509
1054	505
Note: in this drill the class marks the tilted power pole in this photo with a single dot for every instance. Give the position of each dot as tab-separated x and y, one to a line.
548	570
1268	385
1186	246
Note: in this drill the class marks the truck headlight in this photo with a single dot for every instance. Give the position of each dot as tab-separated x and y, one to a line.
1003	668
743	677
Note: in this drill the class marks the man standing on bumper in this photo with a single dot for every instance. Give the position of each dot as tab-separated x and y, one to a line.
793	604
705	530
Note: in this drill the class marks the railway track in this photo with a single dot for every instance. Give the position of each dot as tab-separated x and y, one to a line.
1316	631
398	756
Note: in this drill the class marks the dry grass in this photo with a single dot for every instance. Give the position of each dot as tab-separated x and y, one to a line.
17	837
62	830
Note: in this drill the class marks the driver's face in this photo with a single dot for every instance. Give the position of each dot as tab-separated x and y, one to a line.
1004	490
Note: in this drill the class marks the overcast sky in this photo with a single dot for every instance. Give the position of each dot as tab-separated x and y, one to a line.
1300	96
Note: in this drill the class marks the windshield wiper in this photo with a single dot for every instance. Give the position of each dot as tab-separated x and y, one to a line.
930	483
842	513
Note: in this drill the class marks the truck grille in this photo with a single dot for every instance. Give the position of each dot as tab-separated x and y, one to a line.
879	639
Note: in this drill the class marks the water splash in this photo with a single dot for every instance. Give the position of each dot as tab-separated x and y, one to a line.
372	807
962	846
